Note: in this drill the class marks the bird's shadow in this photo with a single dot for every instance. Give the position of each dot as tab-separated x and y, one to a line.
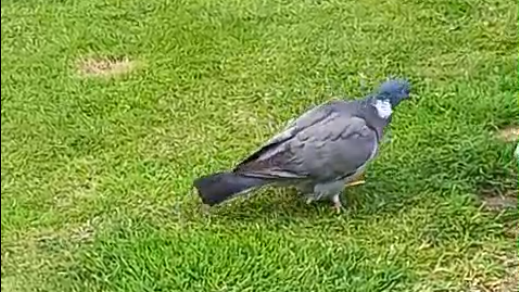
288	204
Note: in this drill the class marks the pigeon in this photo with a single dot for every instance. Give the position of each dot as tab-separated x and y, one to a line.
318	153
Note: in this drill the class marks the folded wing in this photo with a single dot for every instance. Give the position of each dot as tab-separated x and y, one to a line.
326	143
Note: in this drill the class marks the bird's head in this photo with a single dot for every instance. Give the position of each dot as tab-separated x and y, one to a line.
394	91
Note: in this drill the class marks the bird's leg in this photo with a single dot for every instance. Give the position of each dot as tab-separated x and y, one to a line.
309	198
337	205
357	180
307	190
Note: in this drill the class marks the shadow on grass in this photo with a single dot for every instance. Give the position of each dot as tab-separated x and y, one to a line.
287	205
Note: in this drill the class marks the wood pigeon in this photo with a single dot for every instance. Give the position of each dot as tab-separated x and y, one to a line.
318	153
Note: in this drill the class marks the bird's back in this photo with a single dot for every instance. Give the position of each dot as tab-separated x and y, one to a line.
328	141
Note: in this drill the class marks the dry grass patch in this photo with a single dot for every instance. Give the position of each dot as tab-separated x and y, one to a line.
499	202
495	202
508	134
105	67
509	282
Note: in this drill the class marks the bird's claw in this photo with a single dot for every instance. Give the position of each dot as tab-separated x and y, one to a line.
337	205
355	183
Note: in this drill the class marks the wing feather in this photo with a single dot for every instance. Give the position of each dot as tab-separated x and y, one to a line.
324	143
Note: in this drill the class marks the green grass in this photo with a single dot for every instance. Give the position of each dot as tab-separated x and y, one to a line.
97	171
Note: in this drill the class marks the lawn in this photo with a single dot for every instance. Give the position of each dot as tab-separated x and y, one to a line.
110	109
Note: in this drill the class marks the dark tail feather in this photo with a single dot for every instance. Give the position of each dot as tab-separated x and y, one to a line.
218	187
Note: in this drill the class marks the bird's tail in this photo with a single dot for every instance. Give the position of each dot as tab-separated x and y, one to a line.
218	187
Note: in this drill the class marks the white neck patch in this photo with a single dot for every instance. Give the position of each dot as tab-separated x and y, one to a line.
383	108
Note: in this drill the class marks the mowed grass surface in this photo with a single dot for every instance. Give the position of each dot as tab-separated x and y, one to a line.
97	165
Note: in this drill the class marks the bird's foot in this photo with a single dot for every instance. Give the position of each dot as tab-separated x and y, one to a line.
337	205
310	198
355	183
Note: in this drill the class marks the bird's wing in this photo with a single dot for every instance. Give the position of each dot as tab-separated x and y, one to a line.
293	127
325	143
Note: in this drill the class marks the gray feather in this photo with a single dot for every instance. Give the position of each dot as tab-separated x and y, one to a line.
328	142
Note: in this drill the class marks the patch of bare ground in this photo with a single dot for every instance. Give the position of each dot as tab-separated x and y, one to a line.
498	202
509	283
508	134
105	67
